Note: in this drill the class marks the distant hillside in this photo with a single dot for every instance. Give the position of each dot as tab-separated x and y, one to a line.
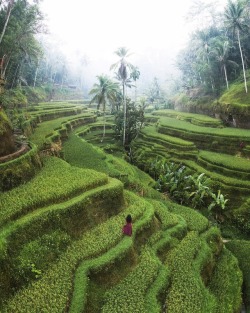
236	95
234	106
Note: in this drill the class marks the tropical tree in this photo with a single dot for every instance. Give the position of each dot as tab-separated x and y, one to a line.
175	181
19	45
155	93
124	68
104	93
8	12
135	74
135	120
202	41
221	53
234	19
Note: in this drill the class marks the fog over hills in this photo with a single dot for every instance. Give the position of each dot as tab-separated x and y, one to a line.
154	32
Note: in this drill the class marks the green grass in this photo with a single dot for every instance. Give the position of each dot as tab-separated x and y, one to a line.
241	250
177	248
56	182
150	131
4	123
236	95
197	119
136	283
195	221
78	152
20	169
189	294
226	283
53	105
232	183
47	128
22	230
73	217
52	292
98	264
228	161
186	127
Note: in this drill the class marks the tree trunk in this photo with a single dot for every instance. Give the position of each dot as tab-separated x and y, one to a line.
14	78
225	71
104	124
4	67
10	5
34	85
124	113
54	79
8	57
242	60
135	91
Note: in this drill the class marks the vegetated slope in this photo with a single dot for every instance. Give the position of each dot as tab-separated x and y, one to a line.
217	152
159	236
46	125
67	251
59	199
236	95
6	136
233	106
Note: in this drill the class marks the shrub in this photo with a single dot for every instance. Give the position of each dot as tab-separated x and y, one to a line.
241	250
142	277
40	253
19	170
226	283
187	292
195	220
57	181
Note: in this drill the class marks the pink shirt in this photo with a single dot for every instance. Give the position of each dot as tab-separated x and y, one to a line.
127	229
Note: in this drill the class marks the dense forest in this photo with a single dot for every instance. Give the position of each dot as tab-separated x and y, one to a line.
218	53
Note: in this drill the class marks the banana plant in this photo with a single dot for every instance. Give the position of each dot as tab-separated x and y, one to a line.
218	204
174	181
201	190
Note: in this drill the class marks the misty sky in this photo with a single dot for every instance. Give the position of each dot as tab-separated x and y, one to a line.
154	30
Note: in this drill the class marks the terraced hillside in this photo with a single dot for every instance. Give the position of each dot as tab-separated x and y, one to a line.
221	153
62	248
46	126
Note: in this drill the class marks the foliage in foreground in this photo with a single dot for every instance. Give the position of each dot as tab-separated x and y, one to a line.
56	182
241	250
190	190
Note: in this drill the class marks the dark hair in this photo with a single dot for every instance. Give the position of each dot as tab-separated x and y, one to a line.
129	219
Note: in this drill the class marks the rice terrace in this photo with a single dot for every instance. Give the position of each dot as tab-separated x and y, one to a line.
122	196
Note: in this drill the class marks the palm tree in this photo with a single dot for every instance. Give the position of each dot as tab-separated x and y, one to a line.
135	74
234	21
104	92
9	9
221	51
202	39
123	75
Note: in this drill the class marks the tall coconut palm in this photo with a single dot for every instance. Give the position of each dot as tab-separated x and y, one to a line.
221	52
123	75
202	40
234	15
135	74
104	93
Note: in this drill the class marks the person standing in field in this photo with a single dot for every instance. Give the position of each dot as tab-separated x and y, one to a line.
127	229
